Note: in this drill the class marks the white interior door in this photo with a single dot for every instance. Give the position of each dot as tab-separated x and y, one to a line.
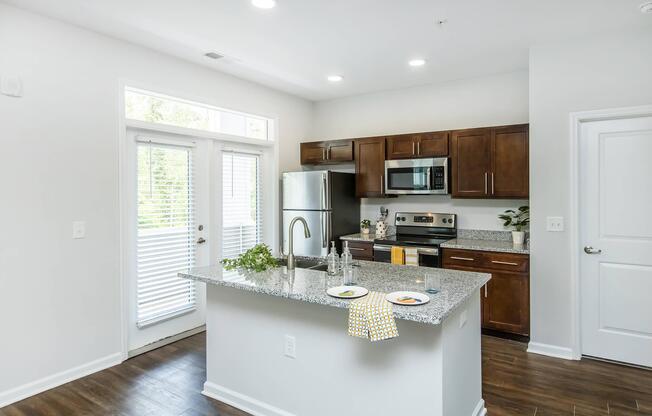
616	233
166	224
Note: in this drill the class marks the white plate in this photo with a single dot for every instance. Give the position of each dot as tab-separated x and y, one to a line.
347	292
419	298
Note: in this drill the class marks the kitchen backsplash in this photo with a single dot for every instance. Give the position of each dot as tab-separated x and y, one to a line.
471	214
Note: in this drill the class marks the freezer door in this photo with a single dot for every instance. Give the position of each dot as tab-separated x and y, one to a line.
306	190
319	223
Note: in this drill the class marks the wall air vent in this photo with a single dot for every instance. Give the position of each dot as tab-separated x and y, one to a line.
213	55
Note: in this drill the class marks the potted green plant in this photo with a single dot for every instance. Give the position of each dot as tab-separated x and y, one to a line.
364	226
519	220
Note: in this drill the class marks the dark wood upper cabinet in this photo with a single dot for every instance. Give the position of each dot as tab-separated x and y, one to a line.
510	172
433	144
410	146
370	167
328	152
470	163
490	162
403	146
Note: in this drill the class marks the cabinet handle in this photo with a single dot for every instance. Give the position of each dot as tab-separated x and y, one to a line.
323	153
412	148
486	191
329	153
492	184
462	258
357	249
508	263
418	148
485	290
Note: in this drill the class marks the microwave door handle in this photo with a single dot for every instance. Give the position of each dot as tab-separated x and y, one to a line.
429	179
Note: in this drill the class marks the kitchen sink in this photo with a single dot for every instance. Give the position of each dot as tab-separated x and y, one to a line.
312	264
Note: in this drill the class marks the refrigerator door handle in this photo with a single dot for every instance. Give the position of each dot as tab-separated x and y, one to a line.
324	191
324	227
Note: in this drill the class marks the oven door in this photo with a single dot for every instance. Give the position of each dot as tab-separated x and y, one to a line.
416	176
428	256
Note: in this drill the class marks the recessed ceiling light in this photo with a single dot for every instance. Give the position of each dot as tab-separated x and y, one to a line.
646	7
264	4
334	78
417	62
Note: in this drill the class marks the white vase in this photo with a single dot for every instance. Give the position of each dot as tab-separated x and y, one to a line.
365	230
381	229
518	237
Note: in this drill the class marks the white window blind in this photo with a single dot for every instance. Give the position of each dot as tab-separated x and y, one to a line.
165	243
241	213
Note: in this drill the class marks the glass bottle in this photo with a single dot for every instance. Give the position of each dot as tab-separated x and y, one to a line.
347	264
333	260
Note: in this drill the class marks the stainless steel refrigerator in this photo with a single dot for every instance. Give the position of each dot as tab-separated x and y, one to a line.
327	201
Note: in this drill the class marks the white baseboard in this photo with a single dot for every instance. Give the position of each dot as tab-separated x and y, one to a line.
30	389
241	401
551	351
165	341
480	410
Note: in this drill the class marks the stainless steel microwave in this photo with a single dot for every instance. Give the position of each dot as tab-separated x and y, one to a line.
417	176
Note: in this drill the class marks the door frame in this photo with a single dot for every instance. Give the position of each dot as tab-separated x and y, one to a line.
576	121
270	148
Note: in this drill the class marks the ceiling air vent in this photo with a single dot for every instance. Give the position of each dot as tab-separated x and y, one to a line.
213	55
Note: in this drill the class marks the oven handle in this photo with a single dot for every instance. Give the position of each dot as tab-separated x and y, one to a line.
426	251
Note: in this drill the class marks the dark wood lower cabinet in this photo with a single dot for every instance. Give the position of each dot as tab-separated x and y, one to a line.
361	250
506	298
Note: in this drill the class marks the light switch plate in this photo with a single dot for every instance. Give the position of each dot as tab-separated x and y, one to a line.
78	229
11	86
555	224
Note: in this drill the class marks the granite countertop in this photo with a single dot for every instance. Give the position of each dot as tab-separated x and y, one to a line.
369	238
310	285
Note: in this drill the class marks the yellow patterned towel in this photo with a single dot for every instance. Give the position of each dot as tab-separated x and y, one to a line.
372	317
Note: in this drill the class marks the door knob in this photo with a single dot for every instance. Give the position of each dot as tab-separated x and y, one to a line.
591	250
201	240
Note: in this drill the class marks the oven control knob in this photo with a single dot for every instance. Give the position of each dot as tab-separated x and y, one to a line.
443	220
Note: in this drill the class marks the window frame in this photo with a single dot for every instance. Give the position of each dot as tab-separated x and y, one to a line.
271	121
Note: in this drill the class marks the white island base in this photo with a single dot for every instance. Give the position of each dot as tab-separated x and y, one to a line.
432	370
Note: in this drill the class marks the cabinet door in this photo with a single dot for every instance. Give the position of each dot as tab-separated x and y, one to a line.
339	151
471	163
433	144
506	303
402	147
313	153
370	167
361	250
510	172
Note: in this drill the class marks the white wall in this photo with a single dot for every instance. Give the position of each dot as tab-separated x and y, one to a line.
59	298
488	101
610	71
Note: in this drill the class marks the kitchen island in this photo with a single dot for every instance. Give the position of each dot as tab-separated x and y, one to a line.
277	344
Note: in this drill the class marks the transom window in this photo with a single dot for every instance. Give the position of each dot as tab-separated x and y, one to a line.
152	107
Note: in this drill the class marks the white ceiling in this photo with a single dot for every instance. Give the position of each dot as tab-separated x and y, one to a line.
294	46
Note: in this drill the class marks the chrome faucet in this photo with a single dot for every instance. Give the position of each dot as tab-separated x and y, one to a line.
306	233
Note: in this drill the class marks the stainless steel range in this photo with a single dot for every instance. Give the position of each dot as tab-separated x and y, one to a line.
423	230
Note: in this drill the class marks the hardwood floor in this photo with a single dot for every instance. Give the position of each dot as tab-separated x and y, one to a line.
168	381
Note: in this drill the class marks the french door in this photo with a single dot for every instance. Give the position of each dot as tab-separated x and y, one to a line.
167	225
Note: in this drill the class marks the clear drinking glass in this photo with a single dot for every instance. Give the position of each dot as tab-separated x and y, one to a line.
432	283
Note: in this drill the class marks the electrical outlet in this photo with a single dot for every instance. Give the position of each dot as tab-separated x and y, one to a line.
290	346
78	229
463	318
555	224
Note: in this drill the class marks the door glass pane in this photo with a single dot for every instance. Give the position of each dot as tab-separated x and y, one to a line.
241	213
408	178
165	243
